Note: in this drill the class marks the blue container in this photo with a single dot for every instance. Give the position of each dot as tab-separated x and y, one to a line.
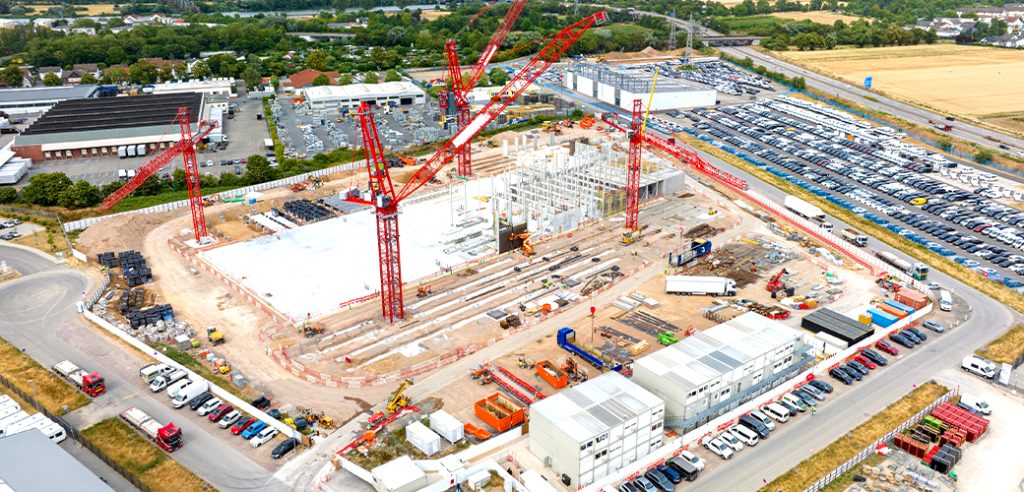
902	307
882	318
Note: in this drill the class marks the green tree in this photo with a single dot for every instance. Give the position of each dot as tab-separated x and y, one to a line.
51	79
80	195
116	75
392	76
799	82
89	78
345	79
143	73
111	187
983	156
371	78
498	76
321	79
8	195
379	57
258	170
317	60
252	77
11	76
201	70
229	179
178	180
45	188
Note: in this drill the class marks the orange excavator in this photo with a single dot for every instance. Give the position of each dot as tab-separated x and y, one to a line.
527	247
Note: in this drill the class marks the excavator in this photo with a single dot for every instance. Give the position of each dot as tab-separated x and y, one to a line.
527	247
396	402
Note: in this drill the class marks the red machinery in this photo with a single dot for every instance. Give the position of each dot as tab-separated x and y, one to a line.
385	199
460	87
636	136
776	285
187	148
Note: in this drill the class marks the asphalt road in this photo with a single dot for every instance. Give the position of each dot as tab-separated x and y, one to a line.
804	436
25	260
39	316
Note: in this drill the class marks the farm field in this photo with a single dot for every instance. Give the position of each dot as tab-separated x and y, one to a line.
821	17
90	9
966	80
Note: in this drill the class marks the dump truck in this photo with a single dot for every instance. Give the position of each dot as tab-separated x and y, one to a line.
90	383
855	237
167	437
698	248
688	285
804	209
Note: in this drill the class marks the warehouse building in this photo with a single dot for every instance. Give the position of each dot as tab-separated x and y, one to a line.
594	429
334	97
220	86
620	86
706	374
39	99
33	463
97	127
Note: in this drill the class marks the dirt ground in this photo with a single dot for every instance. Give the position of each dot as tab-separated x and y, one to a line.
969	80
821	16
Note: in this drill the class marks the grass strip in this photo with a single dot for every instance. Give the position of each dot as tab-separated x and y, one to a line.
199	367
999	292
1007	348
53	393
843	449
129	449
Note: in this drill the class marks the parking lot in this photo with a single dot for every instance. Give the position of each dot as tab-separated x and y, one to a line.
870	171
245	137
11	229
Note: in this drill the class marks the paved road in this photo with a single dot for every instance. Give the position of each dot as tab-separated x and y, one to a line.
804	436
39	316
25	260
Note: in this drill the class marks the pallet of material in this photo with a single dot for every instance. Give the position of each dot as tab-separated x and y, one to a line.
826	320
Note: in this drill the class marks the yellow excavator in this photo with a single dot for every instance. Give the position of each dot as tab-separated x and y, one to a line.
396	401
527	247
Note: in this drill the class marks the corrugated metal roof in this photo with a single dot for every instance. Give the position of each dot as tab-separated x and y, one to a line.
45	94
33	463
595	406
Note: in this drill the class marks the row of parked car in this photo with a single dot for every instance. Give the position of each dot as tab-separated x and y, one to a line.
196	395
663	478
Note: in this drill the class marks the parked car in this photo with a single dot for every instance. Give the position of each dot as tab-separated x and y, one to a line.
875	357
744	435
865	361
253	429
644	485
754	425
903	340
219	412
814	392
209	406
917	333
242	425
821	385
854	371
693	460
764	419
229	419
887	347
841	375
795	402
670	473
684	468
263	436
731	441
284	448
934	326
716	446
199	401
777	412
261	403
628	487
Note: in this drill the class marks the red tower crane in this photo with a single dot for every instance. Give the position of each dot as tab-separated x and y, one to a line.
186	146
460	87
635	135
382	195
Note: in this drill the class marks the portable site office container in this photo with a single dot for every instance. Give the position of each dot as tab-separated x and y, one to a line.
848	330
423	438
447	426
140	150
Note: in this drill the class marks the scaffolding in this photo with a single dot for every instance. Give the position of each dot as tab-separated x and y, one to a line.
554	189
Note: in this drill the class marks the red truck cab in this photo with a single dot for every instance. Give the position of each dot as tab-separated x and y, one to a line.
93	384
169	437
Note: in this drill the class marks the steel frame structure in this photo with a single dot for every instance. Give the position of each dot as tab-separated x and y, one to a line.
384	198
186	146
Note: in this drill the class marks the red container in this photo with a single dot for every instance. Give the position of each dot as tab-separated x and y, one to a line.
912	298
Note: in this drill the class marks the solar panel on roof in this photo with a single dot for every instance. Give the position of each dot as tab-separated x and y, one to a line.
113	113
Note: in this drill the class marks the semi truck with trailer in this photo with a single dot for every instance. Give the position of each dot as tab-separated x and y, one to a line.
567	338
855	237
916	269
167	437
91	383
804	209
686	285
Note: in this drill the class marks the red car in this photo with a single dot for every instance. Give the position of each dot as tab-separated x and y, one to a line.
887	347
242	425
864	360
219	412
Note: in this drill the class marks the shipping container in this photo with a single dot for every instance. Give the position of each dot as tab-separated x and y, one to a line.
912	298
552	374
447	426
846	329
423	438
882	318
499	412
898	313
902	307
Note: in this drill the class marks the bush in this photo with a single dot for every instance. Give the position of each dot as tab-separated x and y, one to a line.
45	189
8	195
983	156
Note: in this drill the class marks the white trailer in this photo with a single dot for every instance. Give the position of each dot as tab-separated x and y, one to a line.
131	151
26	423
122	151
804	209
690	285
140	150
856	237
11	419
122	174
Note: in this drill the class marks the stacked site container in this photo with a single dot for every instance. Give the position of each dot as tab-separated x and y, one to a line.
899	314
882	318
954	416
912	298
902	307
499	412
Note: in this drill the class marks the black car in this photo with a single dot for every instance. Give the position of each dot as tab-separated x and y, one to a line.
659	480
261	403
807	398
918	333
864	370
840	374
670	473
284	448
793	409
274	412
821	385
198	401
912	337
875	357
901	339
853	372
754	425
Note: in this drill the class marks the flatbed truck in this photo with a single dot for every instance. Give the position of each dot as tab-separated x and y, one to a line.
166	437
91	383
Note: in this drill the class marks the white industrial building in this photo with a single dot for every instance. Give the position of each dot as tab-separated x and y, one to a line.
220	86
328	97
594	429
620	86
712	371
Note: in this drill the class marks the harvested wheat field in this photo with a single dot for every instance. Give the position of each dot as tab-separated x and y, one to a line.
819	16
968	80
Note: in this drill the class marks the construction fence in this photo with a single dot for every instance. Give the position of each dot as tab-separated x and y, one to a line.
72	431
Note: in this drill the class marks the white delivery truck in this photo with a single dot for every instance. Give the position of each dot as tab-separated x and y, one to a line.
804	209
856	237
690	285
151	371
158	383
189	392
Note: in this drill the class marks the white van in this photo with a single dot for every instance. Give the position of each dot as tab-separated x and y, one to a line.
176	388
979	366
977	404
767	422
776	412
745	435
945	300
190	391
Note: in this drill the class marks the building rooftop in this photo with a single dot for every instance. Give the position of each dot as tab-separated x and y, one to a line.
697	359
47	93
115	113
357	91
301	79
596	405
398	473
33	463
632	79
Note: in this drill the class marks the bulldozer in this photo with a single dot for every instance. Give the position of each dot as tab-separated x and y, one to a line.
215	336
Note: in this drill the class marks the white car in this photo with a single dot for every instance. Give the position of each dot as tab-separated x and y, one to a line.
933	285
209	406
745	435
229	419
694	459
718	447
263	437
731	441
